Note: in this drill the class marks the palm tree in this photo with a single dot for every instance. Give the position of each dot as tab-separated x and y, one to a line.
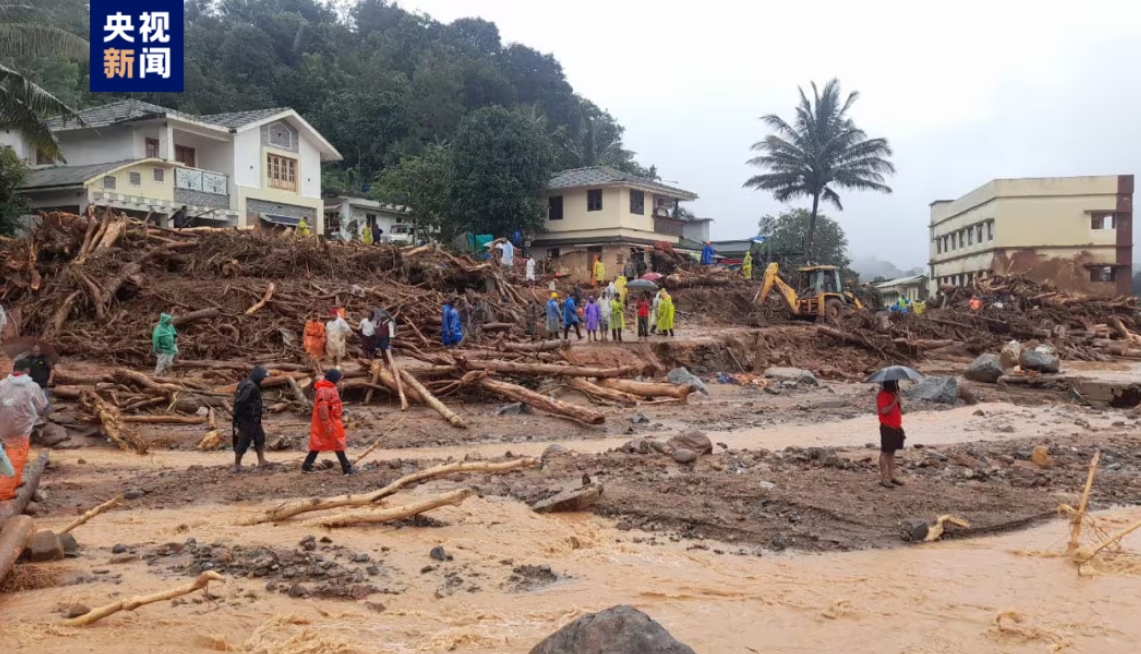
822	150
23	104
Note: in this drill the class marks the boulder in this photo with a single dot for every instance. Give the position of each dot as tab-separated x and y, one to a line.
576	499
1041	457
70	545
914	530
987	368
1010	354
684	456
944	390
683	376
44	546
51	435
617	630
553	450
1039	361
797	375
695	441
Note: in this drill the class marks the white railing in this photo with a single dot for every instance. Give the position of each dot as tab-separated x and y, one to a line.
196	179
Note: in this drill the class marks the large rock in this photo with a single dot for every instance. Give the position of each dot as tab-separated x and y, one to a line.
1039	361
797	375
986	368
44	546
683	376
695	441
617	630
1010	354
944	390
52	434
576	499
684	456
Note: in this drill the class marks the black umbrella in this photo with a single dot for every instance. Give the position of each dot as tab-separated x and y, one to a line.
894	373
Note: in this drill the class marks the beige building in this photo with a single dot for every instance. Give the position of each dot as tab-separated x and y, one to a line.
913	288
1076	232
606	212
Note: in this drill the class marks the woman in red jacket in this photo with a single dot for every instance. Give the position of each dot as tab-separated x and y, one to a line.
643	307
327	430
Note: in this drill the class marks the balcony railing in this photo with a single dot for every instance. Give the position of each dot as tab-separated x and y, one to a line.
204	181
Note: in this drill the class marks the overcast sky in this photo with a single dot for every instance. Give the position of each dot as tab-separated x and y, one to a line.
965	91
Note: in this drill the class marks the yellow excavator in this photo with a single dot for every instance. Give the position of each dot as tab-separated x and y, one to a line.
822	296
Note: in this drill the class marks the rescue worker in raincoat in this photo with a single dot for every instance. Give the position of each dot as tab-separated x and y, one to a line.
617	319
598	272
707	254
592	314
336	331
247	418
554	316
314	339
303	229
163	342
654	312
21	403
570	319
620	284
666	314
531	320
451	329
747	266
327	430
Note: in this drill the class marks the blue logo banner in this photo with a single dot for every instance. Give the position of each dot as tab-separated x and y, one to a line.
136	46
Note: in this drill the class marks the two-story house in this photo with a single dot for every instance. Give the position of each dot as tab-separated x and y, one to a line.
600	211
240	169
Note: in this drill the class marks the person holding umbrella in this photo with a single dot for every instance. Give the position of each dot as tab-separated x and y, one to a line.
890	415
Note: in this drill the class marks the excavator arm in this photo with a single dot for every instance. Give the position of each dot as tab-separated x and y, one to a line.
773	280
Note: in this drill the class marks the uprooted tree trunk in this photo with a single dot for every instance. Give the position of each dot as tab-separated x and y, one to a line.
31	481
649	389
112	422
350	518
14	535
517	393
295	508
431	400
132	603
547	369
596	392
91	513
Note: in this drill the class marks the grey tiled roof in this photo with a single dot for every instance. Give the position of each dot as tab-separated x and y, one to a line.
126	110
607	176
239	118
68	175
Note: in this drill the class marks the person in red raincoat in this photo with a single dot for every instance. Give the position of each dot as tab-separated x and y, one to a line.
327	431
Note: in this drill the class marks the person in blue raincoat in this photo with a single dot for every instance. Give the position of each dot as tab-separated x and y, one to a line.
554	316
570	319
451	329
707	254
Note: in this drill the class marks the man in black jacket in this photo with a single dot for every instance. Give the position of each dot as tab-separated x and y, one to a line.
247	418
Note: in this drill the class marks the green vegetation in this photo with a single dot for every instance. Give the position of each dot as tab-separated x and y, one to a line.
12	205
787	232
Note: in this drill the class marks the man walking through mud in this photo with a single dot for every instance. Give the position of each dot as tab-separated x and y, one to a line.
891	432
247	418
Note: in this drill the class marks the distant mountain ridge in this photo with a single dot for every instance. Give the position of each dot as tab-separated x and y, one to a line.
870	268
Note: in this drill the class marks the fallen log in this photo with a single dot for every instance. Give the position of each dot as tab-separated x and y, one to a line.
132	603
431	400
649	389
537	346
295	390
546	369
261	303
297	507
1083	502
30	482
14	535
595	392
517	393
91	513
273	381
162	420
389	515
201	314
240	366
112	422
399	382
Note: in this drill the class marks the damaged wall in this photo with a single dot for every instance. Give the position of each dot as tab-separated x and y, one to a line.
1068	269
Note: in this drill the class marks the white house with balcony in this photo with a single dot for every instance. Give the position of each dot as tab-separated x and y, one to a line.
249	168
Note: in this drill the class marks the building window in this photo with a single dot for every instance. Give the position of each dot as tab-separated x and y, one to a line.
1102	221
979	230
962	238
555	207
594	199
185	156
637	202
109	182
990	230
136	179
939	246
282	172
152	148
946	244
159	174
552	253
370	219
971	236
42	159
280	136
1101	274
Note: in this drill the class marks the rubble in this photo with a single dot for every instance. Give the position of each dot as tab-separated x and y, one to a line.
987	368
942	390
622	629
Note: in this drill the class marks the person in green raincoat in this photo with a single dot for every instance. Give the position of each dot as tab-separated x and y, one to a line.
666	314
162	342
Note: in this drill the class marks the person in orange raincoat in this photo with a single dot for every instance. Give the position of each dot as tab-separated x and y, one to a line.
21	404
327	431
315	339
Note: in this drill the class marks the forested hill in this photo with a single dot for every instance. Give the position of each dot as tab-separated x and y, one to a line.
379	82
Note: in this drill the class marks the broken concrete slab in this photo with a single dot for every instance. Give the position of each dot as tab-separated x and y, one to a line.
575	499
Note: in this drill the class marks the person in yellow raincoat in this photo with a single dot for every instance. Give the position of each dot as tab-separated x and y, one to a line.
918	307
666	314
747	266
598	272
617	318
620	284
303	229
366	235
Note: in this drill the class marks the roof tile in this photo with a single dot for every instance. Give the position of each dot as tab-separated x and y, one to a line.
605	175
